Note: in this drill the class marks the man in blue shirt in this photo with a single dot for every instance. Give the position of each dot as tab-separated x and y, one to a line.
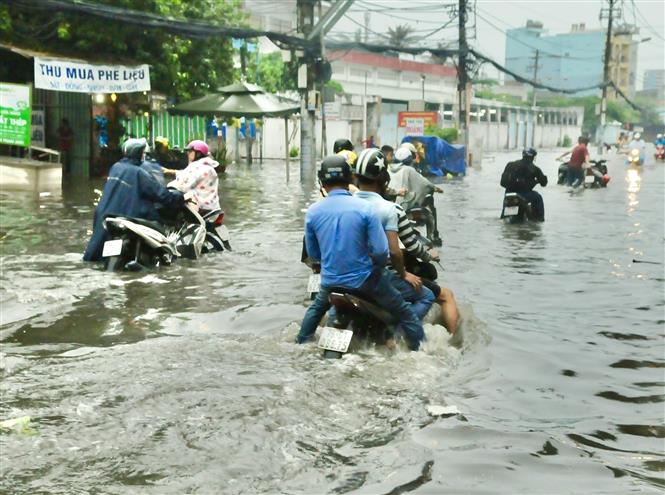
373	178
344	234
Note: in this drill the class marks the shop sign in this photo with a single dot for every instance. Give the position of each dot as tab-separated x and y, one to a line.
430	118
80	77
15	106
414	127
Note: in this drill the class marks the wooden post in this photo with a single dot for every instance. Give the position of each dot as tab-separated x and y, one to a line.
286	146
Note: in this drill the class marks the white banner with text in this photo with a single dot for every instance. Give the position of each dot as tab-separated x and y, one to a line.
79	77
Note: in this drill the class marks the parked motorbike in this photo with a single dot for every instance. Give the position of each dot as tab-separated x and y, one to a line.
660	152
596	175
516	209
358	318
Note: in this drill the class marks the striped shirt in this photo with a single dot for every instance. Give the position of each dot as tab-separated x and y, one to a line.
409	237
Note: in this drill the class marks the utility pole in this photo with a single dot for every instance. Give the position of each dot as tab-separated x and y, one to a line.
606	62
305	10
463	89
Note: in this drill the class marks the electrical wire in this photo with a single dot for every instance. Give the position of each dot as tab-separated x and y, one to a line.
646	22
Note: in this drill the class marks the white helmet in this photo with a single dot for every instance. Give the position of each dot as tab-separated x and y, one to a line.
403	155
658	136
637	135
410	147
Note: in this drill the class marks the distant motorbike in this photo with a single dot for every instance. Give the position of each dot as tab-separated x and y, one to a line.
660	152
517	209
634	159
358	318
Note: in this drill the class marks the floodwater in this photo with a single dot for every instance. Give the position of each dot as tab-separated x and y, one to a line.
186	380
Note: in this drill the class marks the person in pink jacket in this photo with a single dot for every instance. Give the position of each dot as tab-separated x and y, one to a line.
199	177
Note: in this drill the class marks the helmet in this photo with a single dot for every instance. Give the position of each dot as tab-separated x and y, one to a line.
133	148
342	144
162	140
410	147
637	135
371	164
529	154
403	155
658	136
335	168
349	156
198	145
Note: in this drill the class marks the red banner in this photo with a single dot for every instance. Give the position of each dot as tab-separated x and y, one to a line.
429	118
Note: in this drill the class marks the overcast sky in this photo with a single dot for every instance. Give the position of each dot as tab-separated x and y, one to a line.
495	16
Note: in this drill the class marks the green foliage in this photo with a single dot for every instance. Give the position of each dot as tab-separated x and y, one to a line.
400	35
272	73
448	134
180	67
566	142
335	86
294	151
488	94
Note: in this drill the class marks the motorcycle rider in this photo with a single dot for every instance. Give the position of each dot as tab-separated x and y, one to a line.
372	178
418	189
521	176
345	235
417	260
199	177
639	144
579	159
129	191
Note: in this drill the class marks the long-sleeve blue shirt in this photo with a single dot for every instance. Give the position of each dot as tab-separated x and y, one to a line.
345	234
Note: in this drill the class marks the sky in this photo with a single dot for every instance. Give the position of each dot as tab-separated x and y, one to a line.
496	16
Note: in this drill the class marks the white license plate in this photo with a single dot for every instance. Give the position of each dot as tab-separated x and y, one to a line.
335	339
510	211
589	179
223	232
314	283
112	248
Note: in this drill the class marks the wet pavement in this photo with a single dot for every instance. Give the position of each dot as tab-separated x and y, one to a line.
185	379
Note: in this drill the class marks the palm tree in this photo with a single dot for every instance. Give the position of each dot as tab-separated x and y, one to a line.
400	35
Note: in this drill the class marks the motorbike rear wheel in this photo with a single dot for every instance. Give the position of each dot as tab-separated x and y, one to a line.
114	263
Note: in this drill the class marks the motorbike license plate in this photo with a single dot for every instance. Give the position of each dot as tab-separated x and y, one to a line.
589	179
510	211
223	232
335	339
112	248
314	283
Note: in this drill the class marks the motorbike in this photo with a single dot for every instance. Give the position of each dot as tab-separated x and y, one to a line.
517	209
137	244
358	318
596	175
217	235
562	174
660	152
425	216
634	159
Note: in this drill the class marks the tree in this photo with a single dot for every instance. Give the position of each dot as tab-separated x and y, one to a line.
400	35
272	73
180	67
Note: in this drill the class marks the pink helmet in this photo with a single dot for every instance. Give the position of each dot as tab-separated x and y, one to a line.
198	145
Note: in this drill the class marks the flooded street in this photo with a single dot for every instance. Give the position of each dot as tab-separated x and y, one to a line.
186	379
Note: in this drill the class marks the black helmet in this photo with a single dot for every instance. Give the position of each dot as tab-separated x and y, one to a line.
335	168
342	144
529	154
371	164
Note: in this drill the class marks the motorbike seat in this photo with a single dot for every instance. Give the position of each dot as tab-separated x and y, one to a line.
142	221
356	300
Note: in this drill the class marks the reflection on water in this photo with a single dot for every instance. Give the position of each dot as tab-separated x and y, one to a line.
186	380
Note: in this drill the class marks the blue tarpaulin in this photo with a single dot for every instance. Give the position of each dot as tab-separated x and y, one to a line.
440	157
